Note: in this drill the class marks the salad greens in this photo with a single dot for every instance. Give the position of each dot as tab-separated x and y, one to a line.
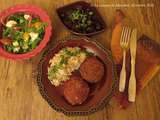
24	31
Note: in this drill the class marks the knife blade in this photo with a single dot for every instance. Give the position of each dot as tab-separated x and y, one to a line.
132	80
133	43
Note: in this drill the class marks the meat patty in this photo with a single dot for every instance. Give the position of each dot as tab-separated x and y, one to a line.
92	70
76	90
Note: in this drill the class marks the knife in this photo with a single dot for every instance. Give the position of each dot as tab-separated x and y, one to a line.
132	80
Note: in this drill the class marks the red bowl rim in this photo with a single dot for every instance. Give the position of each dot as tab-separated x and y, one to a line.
43	16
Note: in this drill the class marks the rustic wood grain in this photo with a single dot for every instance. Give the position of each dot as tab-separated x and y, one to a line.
19	95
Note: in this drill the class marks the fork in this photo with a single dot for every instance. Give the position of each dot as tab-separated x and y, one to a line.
124	43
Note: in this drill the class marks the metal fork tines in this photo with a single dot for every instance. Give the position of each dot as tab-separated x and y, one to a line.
124	42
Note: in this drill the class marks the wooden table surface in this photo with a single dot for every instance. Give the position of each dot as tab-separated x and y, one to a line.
19	95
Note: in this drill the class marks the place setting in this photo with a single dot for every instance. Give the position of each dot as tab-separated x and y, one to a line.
77	75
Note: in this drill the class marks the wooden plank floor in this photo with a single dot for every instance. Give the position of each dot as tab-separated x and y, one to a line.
19	95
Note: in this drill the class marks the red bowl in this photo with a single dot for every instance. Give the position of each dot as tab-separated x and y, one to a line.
32	10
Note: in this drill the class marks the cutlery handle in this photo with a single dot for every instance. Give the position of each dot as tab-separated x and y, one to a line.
132	82
122	80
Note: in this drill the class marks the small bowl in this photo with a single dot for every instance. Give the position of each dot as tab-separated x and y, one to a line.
84	5
32	10
100	93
